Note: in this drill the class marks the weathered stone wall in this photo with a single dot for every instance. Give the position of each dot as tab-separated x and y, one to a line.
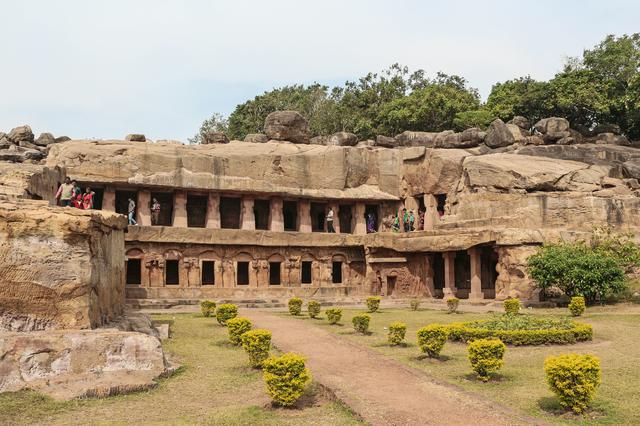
513	279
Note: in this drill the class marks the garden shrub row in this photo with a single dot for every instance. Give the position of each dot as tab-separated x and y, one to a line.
469	331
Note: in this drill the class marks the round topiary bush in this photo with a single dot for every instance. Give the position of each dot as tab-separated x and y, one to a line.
452	304
577	306
414	304
295	306
397	331
286	378
237	327
361	323
333	315
208	308
431	339
574	379
511	306
225	312
257	344
373	303
485	356
313	307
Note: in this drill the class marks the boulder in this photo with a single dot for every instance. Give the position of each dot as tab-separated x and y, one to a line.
533	140
409	138
366	143
612	139
474	134
20	134
499	135
517	132
45	139
342	139
214	137
5	143
607	128
60	139
521	122
135	137
386	141
287	126
553	129
319	140
256	138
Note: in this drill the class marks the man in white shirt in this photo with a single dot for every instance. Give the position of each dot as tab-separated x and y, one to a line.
330	227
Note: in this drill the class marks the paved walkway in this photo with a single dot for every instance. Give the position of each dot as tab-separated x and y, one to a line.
380	390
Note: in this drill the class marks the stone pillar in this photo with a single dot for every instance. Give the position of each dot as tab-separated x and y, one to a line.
213	212
277	219
336	216
180	209
143	210
248	216
431	215
476	274
109	199
449	274
304	216
361	222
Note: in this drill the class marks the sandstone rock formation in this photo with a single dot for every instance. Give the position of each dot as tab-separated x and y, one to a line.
499	135
342	139
287	126
135	137
45	139
215	137
256	138
20	134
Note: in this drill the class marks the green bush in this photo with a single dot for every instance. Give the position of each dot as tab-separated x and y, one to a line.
333	315
431	339
313	307
257	344
577	306
286	378
295	306
397	331
373	303
361	323
237	327
452	304
574	379
225	312
486	356
512	306
414	304
208	308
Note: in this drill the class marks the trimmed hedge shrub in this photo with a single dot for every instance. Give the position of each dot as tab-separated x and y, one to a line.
313	307
373	303
237	327
397	331
295	306
208	308
452	304
257	344
511	306
485	356
577	306
333	315
286	378
414	304
432	338
225	312
361	323
574	379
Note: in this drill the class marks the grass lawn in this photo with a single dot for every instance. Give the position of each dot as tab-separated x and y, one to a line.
521	383
215	386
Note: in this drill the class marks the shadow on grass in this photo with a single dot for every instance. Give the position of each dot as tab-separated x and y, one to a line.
493	378
434	359
389	345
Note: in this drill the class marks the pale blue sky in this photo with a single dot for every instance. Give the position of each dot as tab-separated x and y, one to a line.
106	68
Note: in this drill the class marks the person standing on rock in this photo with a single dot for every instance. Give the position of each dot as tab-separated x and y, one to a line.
65	193
155	212
405	220
330	227
87	198
395	224
412	221
132	212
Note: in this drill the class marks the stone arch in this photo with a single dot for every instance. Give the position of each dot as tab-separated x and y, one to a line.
172	254
209	255
339	257
275	257
134	253
307	256
243	256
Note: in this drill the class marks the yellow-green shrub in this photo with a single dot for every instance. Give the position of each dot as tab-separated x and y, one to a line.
486	356
373	303
452	304
237	327
208	308
286	378
574	379
361	323
397	331
333	315
414	304
225	312
257	344
511	306
313	307
431	339
577	306
295	306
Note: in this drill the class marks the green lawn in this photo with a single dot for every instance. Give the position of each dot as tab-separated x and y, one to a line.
214	387
522	382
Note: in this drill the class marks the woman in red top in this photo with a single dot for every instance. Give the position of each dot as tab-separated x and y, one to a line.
87	198
77	201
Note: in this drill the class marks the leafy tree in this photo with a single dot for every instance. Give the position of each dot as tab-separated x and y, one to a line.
475	118
521	96
216	123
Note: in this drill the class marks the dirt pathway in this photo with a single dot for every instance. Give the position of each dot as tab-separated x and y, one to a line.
380	390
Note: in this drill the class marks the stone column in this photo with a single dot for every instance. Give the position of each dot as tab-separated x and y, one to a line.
304	216
431	215
213	212
180	209
476	274
109	199
449	274
361	222
248	216
336	216
277	219
143	210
